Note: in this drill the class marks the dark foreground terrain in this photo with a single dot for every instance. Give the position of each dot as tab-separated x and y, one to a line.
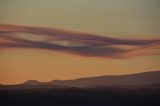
80	97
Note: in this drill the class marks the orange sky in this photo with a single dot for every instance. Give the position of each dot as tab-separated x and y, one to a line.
18	65
109	18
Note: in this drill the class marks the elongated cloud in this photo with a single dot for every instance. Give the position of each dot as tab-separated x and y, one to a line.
78	43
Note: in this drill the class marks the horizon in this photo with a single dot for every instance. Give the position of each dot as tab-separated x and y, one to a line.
83	77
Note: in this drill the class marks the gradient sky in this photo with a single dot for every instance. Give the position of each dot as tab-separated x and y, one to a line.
109	18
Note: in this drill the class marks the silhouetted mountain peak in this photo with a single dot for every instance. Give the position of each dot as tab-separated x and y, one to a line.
32	82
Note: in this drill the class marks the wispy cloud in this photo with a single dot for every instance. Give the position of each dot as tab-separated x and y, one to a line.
77	43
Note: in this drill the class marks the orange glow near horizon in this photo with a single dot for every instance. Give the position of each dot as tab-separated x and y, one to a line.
19	65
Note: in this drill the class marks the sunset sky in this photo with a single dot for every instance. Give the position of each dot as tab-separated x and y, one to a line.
90	38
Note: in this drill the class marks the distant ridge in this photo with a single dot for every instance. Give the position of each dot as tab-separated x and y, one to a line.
32	82
138	80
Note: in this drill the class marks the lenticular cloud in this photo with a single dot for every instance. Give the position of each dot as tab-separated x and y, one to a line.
77	43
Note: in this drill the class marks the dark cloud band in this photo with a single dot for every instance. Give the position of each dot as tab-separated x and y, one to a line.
77	43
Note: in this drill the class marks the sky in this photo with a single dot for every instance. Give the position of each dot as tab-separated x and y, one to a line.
118	25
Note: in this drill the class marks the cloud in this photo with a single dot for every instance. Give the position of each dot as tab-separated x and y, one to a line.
78	43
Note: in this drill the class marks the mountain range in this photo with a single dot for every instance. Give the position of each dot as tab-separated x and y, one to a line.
138	80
